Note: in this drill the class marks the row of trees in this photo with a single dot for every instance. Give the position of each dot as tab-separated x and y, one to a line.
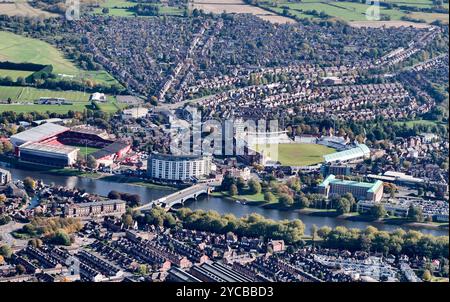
131	199
411	243
253	225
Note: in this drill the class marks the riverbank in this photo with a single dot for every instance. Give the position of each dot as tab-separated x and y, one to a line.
257	200
68	172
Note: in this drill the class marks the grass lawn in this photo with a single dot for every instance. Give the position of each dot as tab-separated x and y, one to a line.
297	154
111	107
20	49
411	124
120	8
256	198
85	150
14	74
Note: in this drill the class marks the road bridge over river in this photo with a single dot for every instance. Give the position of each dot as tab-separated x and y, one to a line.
179	197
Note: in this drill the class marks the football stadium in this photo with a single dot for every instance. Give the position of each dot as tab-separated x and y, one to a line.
54	145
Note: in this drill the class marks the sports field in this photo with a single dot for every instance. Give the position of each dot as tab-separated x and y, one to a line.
20	49
297	154
84	151
23	97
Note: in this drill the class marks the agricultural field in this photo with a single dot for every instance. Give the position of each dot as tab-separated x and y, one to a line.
23	97
22	8
238	7
20	49
355	12
120	8
298	154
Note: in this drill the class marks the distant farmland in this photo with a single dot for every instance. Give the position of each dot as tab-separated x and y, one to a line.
239	7
20	49
22	8
355	12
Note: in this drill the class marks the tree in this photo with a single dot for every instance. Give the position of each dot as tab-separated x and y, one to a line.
378	211
20	269
35	242
303	202
5	251
29	183
240	183
61	238
7	147
91	162
254	186
343	206
427	275
294	184
415	213
269	197
127	220
142	270
114	195
233	190
105	10
324	231
286	200
314	234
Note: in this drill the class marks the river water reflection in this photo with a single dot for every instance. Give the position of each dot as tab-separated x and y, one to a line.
221	205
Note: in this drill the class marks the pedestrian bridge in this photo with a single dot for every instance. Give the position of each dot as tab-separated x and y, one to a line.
179	197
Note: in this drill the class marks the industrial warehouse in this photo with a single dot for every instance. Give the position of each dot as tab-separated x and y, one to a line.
58	146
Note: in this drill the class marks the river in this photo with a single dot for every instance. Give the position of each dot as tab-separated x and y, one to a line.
221	205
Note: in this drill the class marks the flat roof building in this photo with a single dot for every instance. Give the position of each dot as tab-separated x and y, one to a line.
360	190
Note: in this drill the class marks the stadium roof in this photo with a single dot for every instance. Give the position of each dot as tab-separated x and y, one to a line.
56	149
91	131
37	133
371	187
110	149
357	152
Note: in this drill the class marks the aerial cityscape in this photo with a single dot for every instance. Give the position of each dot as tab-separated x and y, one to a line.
283	141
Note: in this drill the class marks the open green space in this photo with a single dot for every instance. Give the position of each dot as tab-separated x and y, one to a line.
22	99
296	154
21	49
411	124
121	8
352	11
14	74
